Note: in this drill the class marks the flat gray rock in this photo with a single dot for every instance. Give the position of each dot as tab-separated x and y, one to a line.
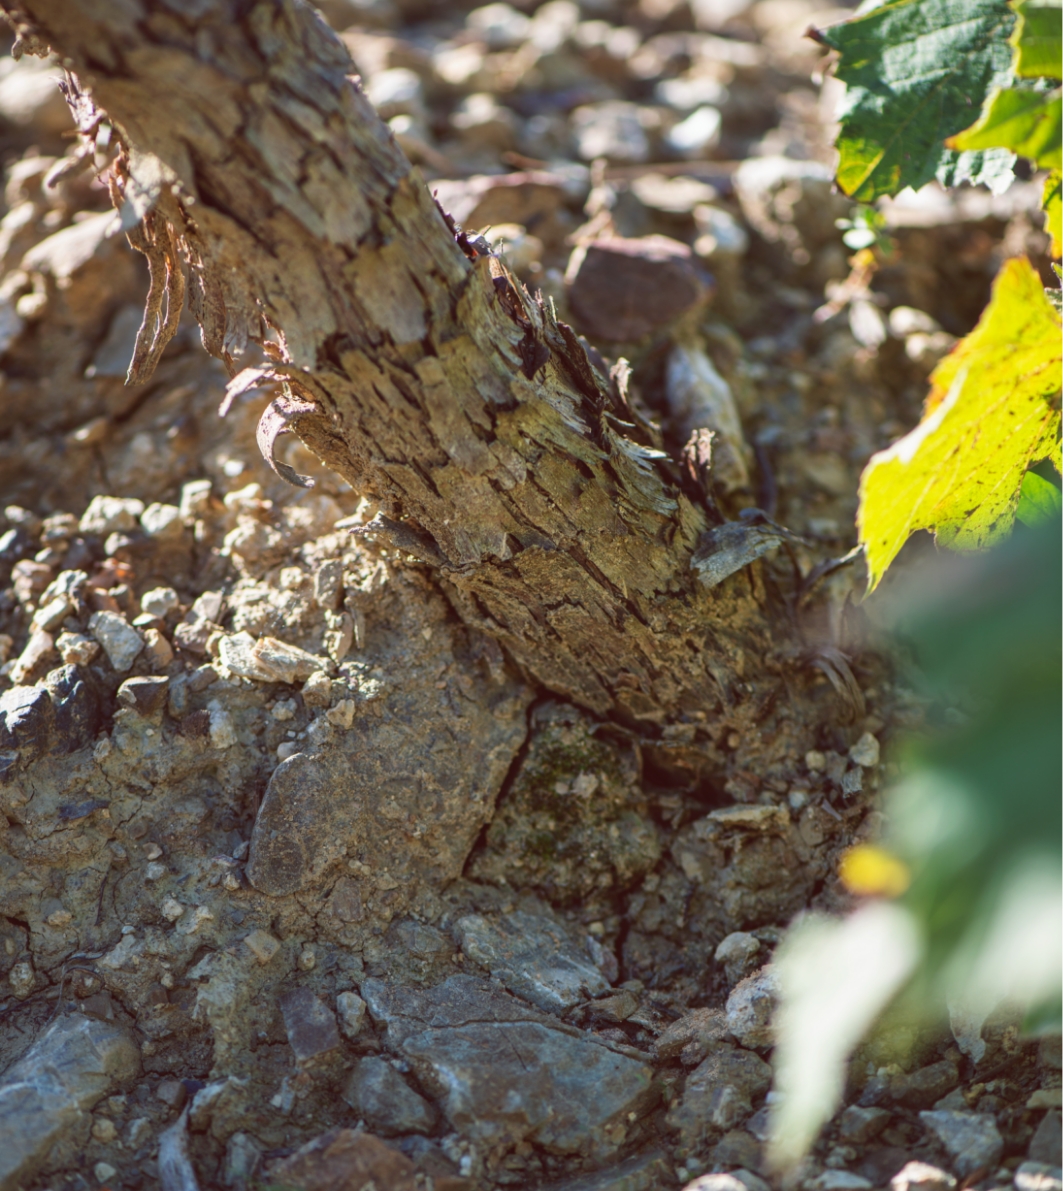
971	1138
644	1172
719	1093
77	1062
533	957
309	1023
383	1099
504	1072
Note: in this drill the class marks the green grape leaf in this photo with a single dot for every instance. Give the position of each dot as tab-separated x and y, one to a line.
915	72
1027	122
1038	39
1052	205
1039	501
993	410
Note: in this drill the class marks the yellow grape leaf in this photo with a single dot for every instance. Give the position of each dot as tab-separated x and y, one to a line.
1052	205
993	409
1026	122
1037	39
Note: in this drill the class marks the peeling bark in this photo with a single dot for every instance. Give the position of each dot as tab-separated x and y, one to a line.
411	364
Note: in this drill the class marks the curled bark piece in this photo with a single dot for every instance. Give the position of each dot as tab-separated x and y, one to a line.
176	1172
243	382
275	421
166	295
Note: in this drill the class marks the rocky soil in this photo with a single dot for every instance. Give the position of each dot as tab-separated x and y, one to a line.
301	883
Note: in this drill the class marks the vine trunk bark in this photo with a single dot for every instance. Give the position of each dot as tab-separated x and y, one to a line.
415	367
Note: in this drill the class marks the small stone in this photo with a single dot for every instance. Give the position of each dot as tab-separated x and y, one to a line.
195	500
955	1099
163	523
103	1130
121	642
866	751
721	236
172	1092
1045	1098
673	196
284	710
286	663
45	1096
351	1010
106	514
191	923
60	917
737	1148
159	601
23	979
344	1158
971	1138
618	1006
104	1171
242	1158
319	733
309	1023
286	749
24	519
498	25
922	1088
138	1133
171	909
861	1125
533	957
697	134
328	584
307	959
144	695
923	1177
1047	1141
735	953
750	1007
838	1180
1038	1176
907	320
51	615
237	653
159	651
798	798
262	945
692	1036
317	690
614	130
815	761
622	289
38	648
222	728
25	714
155	871
342	715
719	1094
383	1099
76	649
735	1180
201	678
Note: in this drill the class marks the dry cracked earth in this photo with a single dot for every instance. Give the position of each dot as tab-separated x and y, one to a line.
301	884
